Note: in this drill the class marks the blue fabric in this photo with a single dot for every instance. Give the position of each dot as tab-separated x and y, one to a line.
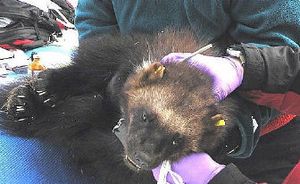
265	22
25	161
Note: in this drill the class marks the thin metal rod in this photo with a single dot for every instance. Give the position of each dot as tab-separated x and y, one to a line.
199	51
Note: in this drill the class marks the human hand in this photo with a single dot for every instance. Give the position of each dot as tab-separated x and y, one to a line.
197	168
226	72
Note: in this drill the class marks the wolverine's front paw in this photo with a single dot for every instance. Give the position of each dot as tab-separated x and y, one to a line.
21	105
40	85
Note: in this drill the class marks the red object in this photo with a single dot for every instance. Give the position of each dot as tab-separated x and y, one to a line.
60	25
283	102
294	176
16	43
277	123
23	42
6	46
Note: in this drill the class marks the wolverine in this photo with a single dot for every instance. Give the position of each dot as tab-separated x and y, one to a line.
167	111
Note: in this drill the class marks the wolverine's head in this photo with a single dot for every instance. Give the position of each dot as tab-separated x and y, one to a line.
169	111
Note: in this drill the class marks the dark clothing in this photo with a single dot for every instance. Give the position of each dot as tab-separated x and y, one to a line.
274	157
278	71
231	174
274	70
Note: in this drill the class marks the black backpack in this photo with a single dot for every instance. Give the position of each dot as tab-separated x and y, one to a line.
24	26
67	10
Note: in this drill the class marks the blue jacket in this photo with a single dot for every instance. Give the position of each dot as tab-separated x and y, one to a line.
266	22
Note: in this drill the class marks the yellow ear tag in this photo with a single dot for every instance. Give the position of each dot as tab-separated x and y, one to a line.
221	122
160	71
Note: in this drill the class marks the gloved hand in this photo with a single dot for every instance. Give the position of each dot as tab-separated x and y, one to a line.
197	168
226	72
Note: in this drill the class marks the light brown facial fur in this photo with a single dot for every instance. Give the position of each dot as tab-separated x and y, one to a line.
179	100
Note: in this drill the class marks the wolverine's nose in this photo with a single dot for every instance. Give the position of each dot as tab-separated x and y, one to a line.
142	159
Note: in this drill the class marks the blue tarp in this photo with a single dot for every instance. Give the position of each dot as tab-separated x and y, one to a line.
28	161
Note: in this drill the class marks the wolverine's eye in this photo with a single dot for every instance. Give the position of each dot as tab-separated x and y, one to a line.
144	117
177	140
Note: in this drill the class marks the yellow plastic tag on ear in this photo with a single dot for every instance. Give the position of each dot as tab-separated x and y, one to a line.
220	123
160	71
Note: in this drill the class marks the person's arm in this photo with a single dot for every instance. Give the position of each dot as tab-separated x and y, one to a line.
271	69
199	168
94	17
272	75
231	174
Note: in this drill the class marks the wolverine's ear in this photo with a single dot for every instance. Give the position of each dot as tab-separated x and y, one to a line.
155	71
152	73
219	120
149	74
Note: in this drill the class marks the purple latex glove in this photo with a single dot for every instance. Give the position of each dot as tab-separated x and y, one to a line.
226	72
197	168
